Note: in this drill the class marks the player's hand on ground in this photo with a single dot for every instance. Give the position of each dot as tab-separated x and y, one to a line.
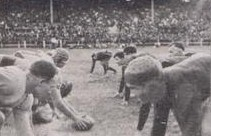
125	103
80	125
138	133
118	95
84	123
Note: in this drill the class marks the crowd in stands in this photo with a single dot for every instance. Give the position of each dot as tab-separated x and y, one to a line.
119	22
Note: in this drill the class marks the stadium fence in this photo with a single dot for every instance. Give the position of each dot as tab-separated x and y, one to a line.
44	44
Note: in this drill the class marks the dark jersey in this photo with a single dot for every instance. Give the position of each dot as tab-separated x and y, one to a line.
102	56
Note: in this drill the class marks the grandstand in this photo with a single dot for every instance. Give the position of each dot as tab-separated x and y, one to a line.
34	28
87	23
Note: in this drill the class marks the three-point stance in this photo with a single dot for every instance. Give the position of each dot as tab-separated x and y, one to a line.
103	57
182	87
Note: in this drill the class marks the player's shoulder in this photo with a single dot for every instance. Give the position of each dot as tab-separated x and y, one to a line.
12	73
14	69
32	55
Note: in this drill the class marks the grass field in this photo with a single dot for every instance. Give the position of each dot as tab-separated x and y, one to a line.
92	93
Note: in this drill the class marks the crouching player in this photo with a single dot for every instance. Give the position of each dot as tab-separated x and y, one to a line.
176	55
15	88
43	112
82	122
183	87
45	109
120	57
178	49
103	57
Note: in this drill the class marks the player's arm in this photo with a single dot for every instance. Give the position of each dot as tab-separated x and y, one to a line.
65	108
60	104
93	62
67	105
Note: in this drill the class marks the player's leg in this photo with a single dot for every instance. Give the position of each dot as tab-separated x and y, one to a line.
127	89
126	95
121	85
111	69
105	66
108	67
43	114
22	117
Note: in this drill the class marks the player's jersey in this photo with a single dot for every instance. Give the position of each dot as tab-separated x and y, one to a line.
12	85
102	56
26	58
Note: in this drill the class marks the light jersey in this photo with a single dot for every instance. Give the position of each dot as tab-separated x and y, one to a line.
26	58
12	86
29	57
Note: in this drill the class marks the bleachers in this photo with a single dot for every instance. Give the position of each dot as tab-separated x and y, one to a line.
112	22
